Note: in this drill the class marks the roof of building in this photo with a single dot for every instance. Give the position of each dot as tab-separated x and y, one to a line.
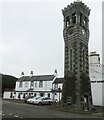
59	80
94	54
37	78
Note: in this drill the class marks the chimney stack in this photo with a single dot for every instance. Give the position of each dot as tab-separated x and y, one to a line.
31	73
22	74
55	73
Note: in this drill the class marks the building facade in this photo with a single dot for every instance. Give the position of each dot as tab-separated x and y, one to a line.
31	86
76	87
57	86
97	78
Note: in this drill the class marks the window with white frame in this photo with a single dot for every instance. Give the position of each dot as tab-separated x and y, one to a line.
32	83
56	86
20	84
40	83
26	84
35	84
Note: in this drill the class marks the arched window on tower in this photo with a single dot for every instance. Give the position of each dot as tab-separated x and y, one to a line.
70	59
85	21
67	21
81	21
74	18
83	60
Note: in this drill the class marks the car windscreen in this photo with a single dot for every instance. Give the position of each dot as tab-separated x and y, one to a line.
37	98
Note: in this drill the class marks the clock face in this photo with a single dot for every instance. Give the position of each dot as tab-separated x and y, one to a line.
70	31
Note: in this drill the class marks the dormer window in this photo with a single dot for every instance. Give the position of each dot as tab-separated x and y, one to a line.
21	84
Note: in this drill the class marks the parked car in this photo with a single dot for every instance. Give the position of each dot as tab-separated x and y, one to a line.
43	100
30	100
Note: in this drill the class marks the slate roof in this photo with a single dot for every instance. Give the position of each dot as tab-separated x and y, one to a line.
37	78
59	80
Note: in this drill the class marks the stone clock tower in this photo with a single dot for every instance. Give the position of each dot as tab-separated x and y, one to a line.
76	87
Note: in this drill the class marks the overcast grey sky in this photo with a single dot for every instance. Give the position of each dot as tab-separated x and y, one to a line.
31	35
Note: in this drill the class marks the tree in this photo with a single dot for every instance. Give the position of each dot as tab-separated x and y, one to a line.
8	82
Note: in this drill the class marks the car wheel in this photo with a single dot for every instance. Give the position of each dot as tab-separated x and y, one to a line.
39	103
50	103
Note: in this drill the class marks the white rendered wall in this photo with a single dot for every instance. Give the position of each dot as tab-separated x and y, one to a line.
96	76
97	94
94	60
7	95
15	94
23	88
47	86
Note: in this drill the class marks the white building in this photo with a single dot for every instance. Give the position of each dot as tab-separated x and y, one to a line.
57	88
32	86
97	78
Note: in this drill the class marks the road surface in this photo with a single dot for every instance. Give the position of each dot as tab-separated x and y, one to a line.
23	110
